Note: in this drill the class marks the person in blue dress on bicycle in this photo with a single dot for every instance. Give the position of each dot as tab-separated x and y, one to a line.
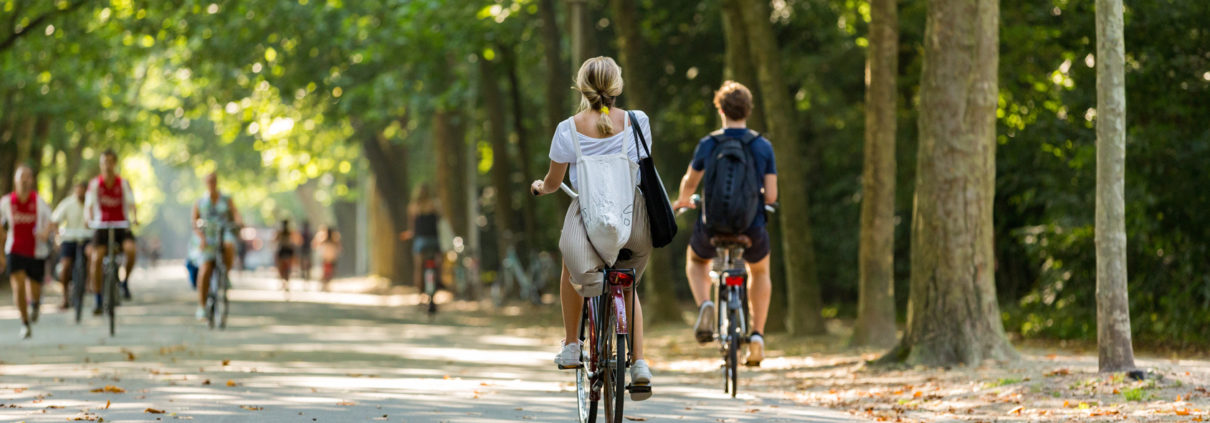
734	104
213	208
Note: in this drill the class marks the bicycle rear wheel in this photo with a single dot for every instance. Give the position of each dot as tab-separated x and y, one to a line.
733	336
614	376
111	297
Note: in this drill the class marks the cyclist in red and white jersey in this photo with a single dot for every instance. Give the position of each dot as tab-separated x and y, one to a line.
27	219
110	200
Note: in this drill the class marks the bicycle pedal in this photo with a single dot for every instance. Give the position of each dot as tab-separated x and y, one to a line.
562	367
642	389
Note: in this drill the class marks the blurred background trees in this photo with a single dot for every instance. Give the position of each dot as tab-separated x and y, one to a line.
336	111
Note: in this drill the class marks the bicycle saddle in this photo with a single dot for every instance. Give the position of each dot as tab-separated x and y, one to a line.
729	240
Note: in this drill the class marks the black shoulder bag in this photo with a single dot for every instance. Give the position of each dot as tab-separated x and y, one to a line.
659	211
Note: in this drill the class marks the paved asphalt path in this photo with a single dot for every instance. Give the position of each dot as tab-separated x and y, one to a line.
335	357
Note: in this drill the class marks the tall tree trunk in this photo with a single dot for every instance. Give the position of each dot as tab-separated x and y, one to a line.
876	261
389	163
345	215
663	273
953	317
803	288
527	172
451	186
502	172
740	66
71	167
558	78
1115	352
579	27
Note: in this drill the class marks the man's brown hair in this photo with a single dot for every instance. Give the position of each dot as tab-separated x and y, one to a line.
734	100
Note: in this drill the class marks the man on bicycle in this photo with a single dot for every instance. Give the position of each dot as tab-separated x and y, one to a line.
73	236
110	200
27	219
213	209
734	104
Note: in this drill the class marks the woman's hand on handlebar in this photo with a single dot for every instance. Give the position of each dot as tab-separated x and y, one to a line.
538	188
683	203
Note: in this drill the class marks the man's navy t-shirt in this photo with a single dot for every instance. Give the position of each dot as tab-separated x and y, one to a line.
762	152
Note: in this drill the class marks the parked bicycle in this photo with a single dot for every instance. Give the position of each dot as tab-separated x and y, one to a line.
731	294
527	284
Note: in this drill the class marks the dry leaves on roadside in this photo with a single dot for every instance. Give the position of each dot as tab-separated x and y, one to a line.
346	403
1016	410
252	407
636	419
107	403
226	362
1058	372
85	418
153	411
109	389
231	384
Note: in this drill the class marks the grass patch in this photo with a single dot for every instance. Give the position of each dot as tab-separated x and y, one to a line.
1004	381
1136	394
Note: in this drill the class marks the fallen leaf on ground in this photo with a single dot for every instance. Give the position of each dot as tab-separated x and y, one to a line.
1059	372
109	389
153	411
636	419
226	362
129	356
346	403
1016	411
383	417
251	407
107	404
231	384
206	382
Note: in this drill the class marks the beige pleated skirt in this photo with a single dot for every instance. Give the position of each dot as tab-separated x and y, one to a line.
586	265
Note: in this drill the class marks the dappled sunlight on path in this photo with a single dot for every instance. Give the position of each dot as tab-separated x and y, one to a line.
337	356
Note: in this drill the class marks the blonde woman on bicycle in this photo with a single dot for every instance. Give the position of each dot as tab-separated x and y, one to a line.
601	129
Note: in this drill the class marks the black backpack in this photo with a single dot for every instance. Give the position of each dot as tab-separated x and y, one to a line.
731	192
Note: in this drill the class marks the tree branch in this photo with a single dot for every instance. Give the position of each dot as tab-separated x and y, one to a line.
36	22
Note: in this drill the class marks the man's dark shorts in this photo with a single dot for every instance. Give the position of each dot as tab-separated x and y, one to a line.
700	243
35	269
101	237
69	249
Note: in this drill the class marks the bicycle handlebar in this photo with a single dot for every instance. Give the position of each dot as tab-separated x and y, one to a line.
117	224
697	201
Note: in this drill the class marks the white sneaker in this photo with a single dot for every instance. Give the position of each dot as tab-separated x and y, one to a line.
756	350
703	330
200	314
640	376
26	332
569	356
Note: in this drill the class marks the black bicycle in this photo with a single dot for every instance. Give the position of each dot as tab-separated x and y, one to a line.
217	304
731	298
429	277
79	280
109	267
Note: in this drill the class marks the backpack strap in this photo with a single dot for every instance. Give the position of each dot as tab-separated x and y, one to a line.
575	136
720	136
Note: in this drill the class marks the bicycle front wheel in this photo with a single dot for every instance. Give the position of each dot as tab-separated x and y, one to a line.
221	305
78	280
111	298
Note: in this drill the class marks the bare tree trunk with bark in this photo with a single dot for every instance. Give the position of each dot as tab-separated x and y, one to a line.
876	262
802	289
1115	352
660	290
739	66
558	76
953	316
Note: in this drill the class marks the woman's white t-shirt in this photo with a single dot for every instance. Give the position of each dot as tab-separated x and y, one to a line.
563	148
